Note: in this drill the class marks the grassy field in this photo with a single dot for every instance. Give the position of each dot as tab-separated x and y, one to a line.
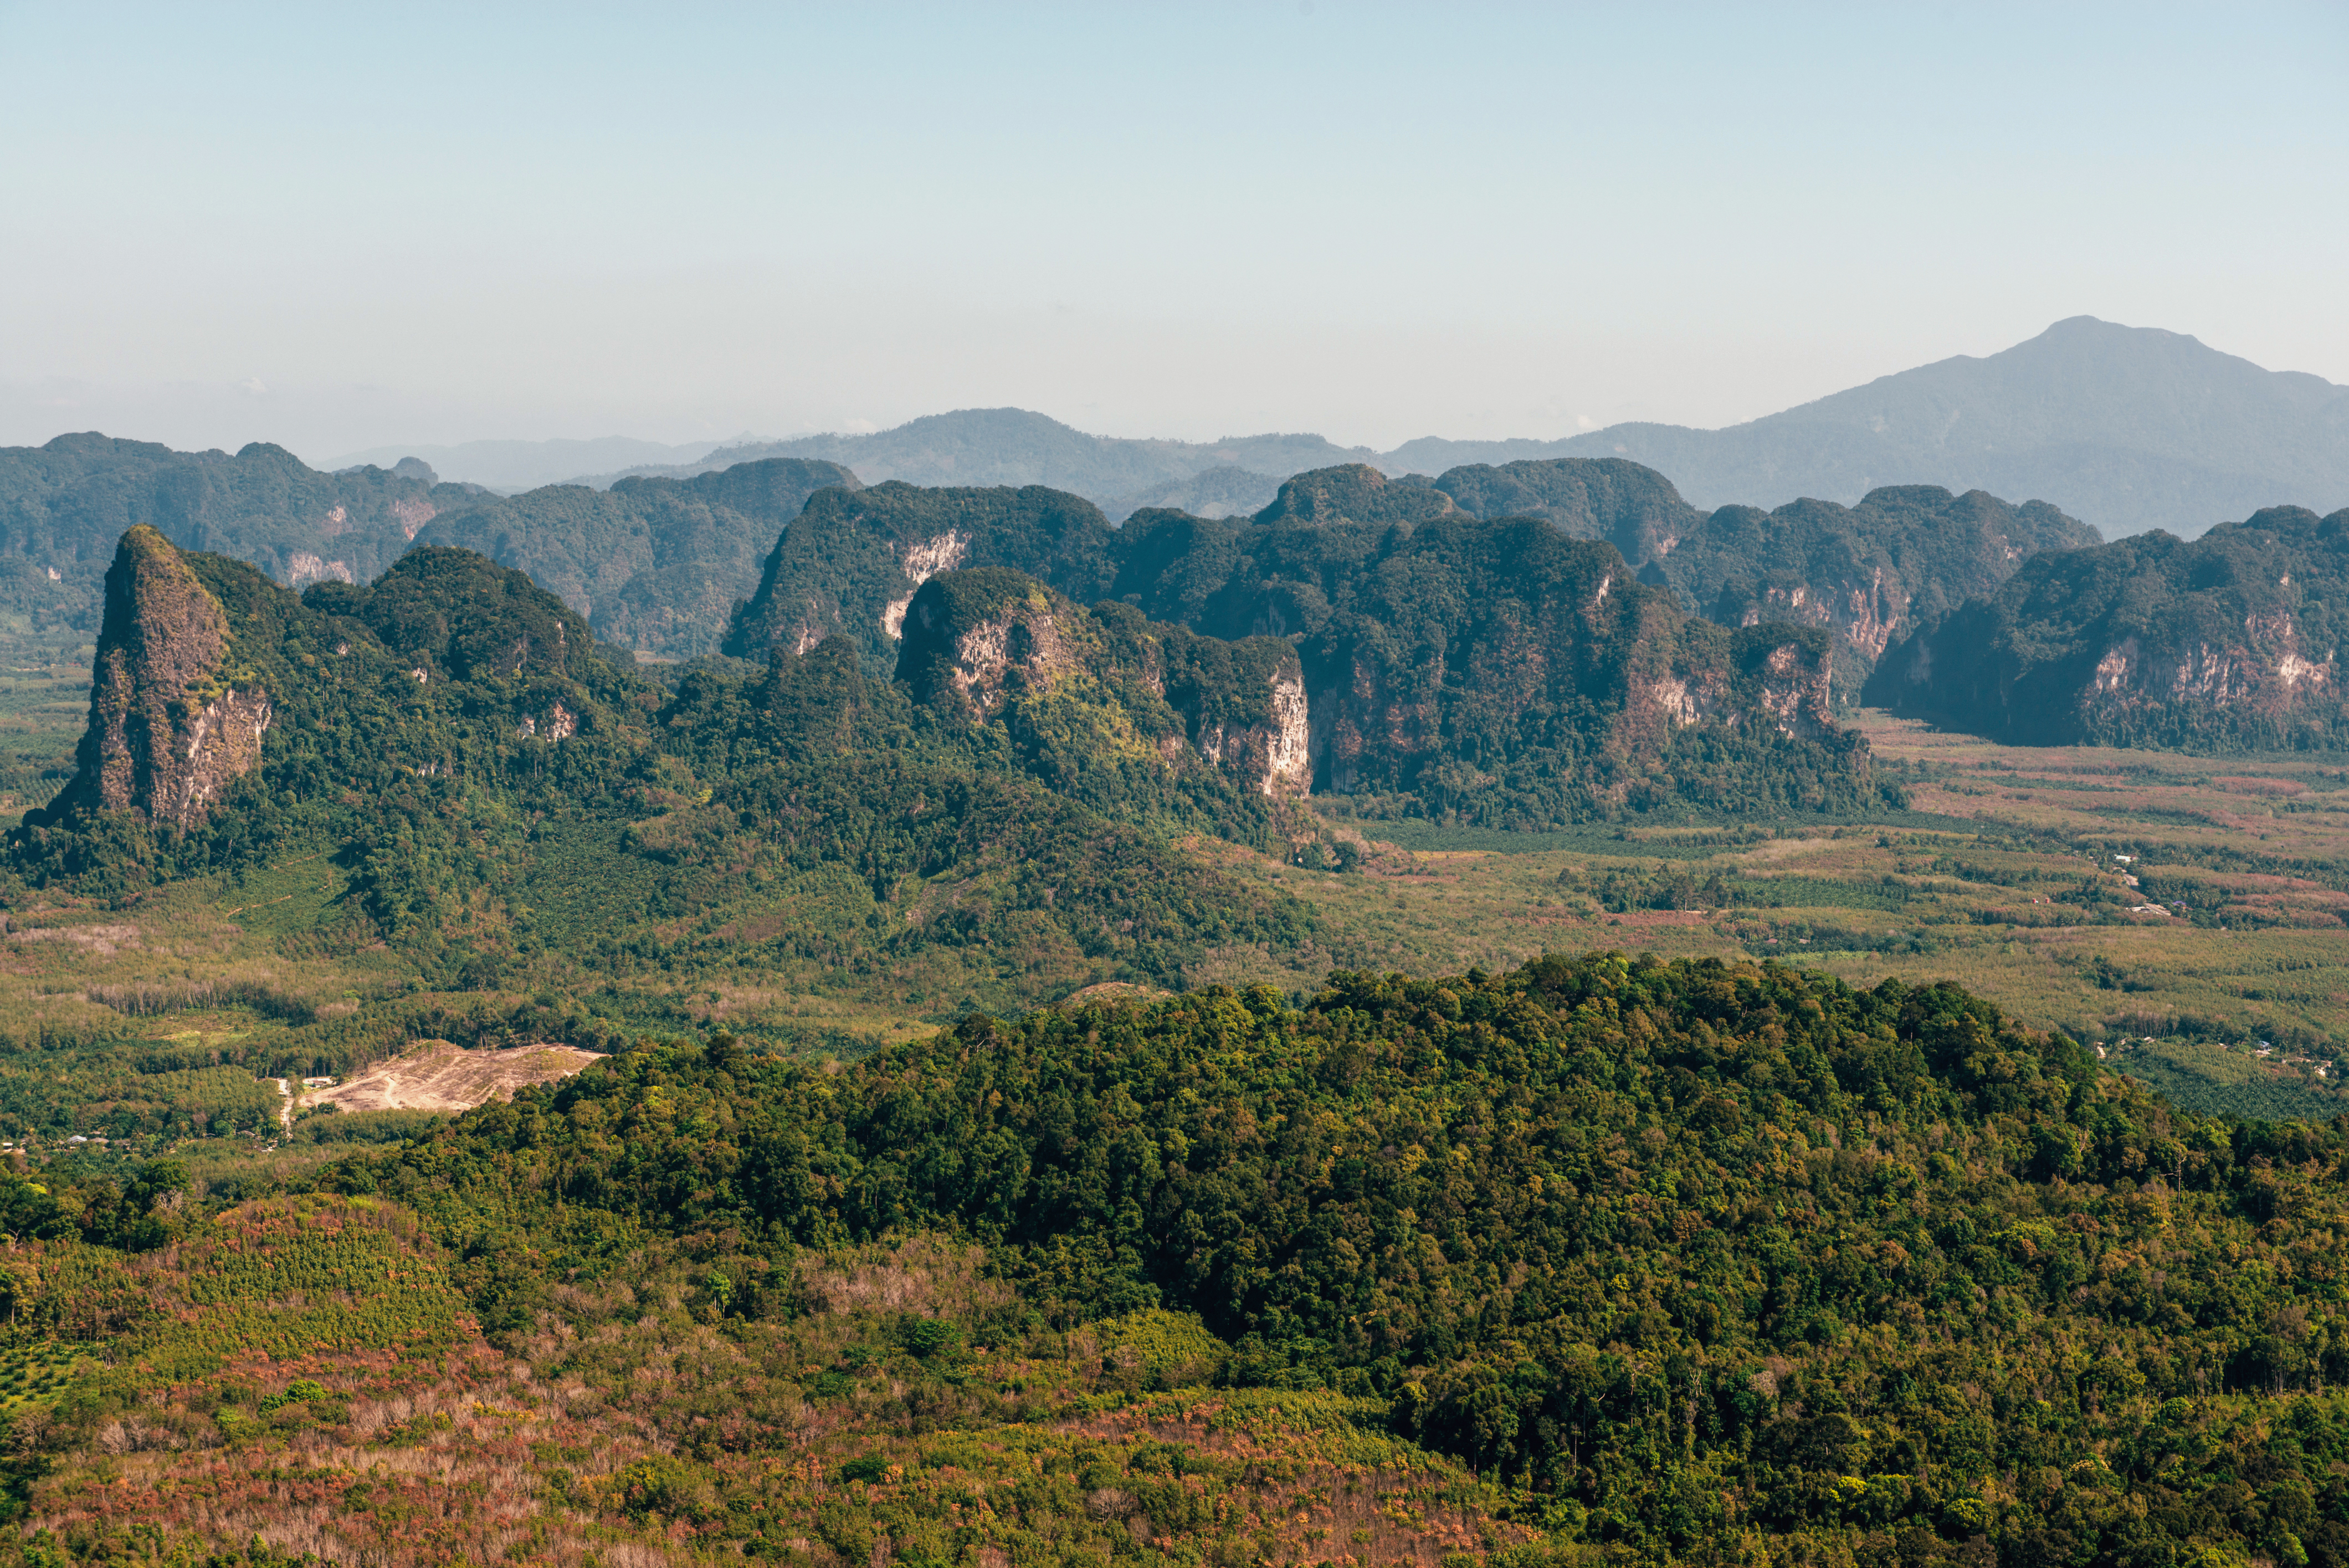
2005	875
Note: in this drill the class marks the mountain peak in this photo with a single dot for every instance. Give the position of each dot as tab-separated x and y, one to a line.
169	726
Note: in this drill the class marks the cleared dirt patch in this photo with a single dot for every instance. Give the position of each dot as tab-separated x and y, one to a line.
439	1077
1111	994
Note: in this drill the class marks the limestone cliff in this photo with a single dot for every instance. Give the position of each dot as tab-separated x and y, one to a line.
989	646
851	562
2231	640
1505	672
170	725
1867	574
1276	753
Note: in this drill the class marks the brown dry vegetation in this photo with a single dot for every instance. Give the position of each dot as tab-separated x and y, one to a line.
635	1425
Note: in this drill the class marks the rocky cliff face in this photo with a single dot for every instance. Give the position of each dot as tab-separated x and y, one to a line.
1863	614
2233	640
991	646
1867	574
851	562
1274	753
980	642
170	725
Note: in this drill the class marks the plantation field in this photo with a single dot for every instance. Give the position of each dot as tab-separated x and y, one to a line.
2003	875
44	704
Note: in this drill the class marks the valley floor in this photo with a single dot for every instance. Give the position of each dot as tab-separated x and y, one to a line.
2005	874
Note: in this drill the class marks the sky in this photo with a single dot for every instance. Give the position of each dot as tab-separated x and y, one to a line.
344	227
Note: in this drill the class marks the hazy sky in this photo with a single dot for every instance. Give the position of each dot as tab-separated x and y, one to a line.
337	227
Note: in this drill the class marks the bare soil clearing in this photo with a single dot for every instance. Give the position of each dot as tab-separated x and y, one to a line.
439	1077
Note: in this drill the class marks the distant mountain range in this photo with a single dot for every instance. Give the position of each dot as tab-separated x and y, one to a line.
659	564
1015	447
2124	428
512	465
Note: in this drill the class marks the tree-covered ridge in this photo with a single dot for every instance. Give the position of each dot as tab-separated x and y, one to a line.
1096	695
656	564
493	787
64	505
1016	448
1630	507
1693	1253
1902	557
1502	671
849	564
2228	643
1356	492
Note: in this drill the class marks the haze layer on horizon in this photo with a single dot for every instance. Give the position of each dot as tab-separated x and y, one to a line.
433	224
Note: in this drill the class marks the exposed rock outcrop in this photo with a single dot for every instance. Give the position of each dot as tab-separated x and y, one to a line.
168	727
2233	640
1868	572
850	563
920	561
1274	753
988	638
992	646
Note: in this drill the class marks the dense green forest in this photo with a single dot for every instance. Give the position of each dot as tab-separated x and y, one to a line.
1688	1260
654	564
1674	1247
2225	643
1633	508
64	505
495	785
1903	556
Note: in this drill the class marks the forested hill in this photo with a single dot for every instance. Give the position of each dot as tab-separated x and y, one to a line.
1497	672
63	506
1870	573
655	565
1014	447
498	791
1686	1253
1866	573
2231	641
1633	508
847	565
